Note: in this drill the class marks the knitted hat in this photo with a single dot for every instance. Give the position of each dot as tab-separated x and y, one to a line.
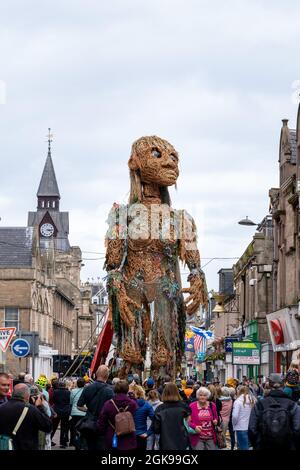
232	382
42	381
292	377
150	382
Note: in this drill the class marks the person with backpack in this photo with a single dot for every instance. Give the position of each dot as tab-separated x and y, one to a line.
20	422
92	401
116	420
275	420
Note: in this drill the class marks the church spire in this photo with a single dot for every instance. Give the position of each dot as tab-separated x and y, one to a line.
48	192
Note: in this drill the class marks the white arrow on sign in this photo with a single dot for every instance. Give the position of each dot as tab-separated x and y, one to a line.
19	348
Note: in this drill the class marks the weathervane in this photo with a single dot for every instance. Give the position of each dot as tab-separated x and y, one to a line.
50	139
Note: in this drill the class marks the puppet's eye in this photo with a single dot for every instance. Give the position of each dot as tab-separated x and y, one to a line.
173	157
156	153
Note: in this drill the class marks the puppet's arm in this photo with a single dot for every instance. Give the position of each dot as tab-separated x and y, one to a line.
116	253
189	254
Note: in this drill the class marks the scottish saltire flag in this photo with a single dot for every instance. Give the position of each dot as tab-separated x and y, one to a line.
207	334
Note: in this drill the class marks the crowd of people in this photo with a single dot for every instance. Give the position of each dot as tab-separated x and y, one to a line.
128	415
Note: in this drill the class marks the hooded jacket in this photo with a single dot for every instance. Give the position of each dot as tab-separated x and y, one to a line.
144	411
254	431
107	416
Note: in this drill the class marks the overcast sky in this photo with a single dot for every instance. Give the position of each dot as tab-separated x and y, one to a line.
213	78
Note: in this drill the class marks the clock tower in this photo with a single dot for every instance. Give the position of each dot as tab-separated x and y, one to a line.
51	222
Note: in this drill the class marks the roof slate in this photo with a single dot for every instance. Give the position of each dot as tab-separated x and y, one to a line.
48	184
16	246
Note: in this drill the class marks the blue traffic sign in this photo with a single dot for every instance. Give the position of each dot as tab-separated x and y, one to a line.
20	347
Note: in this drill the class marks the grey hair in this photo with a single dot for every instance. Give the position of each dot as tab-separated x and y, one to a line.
21	391
203	391
232	391
226	392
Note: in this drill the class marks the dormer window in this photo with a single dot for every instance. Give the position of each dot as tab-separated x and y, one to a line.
48	204
43	204
53	204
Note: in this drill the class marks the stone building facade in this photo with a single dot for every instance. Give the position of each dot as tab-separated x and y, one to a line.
40	288
246	306
284	321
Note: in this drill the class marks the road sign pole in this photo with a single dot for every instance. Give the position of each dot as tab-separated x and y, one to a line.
33	355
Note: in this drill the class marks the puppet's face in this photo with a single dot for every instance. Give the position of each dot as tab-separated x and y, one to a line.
156	160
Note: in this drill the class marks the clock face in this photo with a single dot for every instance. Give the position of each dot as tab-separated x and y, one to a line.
47	230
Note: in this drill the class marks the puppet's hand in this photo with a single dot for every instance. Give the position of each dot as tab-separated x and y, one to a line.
197	291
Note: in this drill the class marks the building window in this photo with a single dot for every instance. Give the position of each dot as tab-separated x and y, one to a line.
48	204
12	318
43	203
53	204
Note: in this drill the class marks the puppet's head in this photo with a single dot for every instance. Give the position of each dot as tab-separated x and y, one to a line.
152	160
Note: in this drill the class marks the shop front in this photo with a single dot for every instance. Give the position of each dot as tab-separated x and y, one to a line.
284	329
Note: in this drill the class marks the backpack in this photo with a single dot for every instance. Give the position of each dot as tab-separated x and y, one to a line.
6	442
296	393
275	422
124	422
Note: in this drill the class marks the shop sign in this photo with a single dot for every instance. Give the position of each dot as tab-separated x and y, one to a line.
246	353
284	329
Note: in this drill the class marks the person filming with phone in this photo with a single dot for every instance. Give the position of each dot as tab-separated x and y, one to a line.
21	420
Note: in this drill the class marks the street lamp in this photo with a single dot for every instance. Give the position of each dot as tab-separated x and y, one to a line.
248	222
209	313
219	307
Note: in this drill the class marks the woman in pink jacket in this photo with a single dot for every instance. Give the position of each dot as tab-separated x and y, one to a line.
203	420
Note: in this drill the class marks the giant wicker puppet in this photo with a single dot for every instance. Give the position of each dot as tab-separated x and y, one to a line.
145	241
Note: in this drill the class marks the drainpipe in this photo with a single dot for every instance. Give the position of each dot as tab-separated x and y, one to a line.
244	305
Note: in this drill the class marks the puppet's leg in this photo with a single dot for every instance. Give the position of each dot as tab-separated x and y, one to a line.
164	336
132	344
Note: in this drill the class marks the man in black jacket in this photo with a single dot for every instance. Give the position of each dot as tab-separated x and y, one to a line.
92	400
275	420
35	420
